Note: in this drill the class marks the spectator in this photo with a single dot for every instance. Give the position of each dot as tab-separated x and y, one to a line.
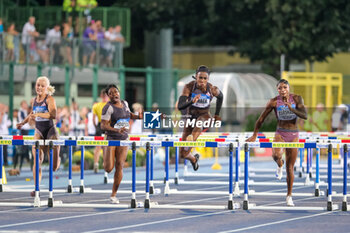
110	37
86	6
89	44
4	128
1	27
22	152
90	122
319	119
53	41
28	34
118	35
1	33
339	118
40	48
9	42
75	119
67	38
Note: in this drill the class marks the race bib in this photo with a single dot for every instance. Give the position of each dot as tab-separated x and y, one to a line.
203	102
285	114
121	123
40	109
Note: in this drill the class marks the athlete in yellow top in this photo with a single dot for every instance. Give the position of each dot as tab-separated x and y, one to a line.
97	112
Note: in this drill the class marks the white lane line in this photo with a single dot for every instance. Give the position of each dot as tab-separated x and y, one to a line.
61	218
157	222
277	222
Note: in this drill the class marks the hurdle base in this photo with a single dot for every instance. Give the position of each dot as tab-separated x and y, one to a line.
230	205
317	192
176	180
310	175
245	205
1	190
329	206
37	202
105	180
81	189
147	204
344	206
133	203
69	189
50	202
151	190
300	174
164	180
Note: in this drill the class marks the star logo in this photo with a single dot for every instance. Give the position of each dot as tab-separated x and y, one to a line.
151	120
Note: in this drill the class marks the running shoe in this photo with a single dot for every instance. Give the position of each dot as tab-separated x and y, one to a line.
196	165
32	194
96	167
279	172
289	201
114	200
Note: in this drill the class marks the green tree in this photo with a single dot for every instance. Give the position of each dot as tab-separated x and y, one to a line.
262	30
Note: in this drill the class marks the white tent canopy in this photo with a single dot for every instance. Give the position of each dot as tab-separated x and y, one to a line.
241	91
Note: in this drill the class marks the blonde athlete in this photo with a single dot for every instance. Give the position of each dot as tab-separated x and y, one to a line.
43	113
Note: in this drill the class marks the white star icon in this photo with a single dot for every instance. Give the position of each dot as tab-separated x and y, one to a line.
156	115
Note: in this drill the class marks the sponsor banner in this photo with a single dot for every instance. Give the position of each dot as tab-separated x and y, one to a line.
92	143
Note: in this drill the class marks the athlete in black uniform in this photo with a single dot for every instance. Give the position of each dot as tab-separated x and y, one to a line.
115	122
43	113
196	97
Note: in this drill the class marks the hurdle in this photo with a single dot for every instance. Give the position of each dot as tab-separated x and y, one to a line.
148	204
248	206
20	142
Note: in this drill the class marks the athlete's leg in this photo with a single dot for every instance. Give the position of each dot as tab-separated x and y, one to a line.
291	156
278	152
120	155
109	158
56	149
41	157
185	152
198	130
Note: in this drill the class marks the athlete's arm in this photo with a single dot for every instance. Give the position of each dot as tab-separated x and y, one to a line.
300	109
107	112
219	99
183	103
269	107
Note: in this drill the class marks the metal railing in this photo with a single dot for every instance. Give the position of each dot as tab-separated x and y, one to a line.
60	51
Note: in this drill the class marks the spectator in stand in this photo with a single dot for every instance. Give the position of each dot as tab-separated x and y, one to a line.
89	44
319	119
86	6
28	34
53	42
4	128
101	42
1	27
110	38
75	119
9	42
340	118
67	38
118	34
